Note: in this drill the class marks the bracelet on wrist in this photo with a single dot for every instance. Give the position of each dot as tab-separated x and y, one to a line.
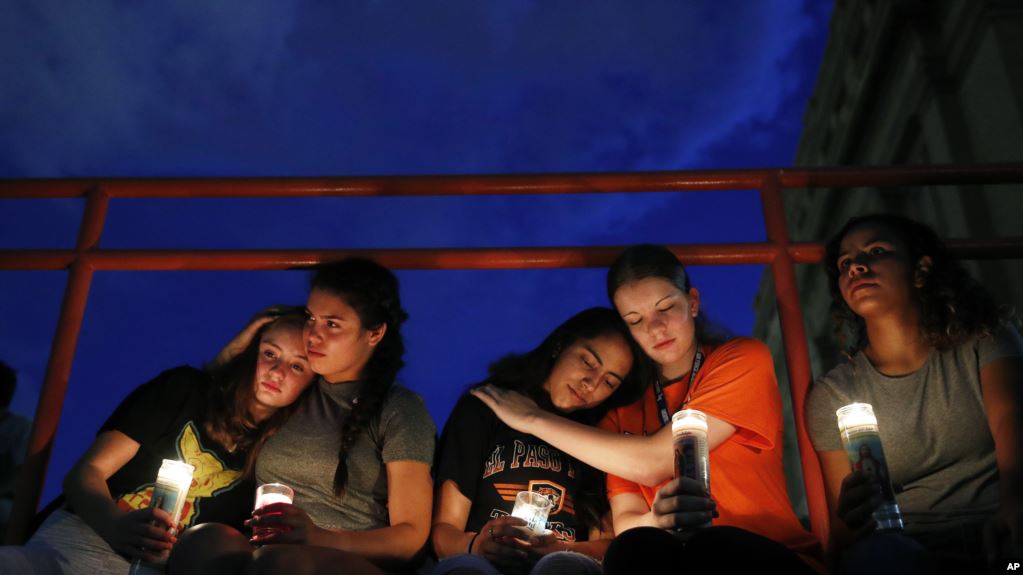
471	542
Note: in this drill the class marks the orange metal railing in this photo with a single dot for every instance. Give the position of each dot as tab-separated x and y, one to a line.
777	251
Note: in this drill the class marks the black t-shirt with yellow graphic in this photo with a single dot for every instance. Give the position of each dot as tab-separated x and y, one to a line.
490	463
165	417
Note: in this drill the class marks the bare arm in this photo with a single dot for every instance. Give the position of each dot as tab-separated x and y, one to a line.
1002	387
450	516
129	533
642	459
630	510
492	542
501	540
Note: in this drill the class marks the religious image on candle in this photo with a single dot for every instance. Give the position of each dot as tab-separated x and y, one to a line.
857	425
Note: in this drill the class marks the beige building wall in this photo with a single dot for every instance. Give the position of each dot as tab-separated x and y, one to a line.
907	82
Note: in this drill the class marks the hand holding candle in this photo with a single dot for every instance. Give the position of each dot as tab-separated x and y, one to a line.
268	494
692	458
169	495
862	441
533	508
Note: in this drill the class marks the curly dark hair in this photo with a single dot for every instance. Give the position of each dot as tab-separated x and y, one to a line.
527	373
373	292
954	307
227	419
652	261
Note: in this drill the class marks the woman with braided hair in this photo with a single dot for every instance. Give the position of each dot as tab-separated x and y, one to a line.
357	453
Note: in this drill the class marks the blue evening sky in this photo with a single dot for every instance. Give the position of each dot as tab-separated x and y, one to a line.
259	88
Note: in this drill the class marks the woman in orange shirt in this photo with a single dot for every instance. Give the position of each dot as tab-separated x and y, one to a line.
732	382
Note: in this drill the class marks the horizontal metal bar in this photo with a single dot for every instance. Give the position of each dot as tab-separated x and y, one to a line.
460	258
890	176
473	185
451	258
1006	248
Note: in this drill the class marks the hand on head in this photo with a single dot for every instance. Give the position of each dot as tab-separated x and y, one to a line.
246	335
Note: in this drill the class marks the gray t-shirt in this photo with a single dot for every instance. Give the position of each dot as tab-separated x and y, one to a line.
933	428
303	454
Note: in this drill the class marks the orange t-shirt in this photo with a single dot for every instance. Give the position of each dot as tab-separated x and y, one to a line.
747	480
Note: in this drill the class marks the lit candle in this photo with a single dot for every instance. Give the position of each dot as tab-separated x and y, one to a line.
171	490
268	494
689	444
533	508
862	441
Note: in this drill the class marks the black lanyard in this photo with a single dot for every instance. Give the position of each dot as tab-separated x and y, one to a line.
662	404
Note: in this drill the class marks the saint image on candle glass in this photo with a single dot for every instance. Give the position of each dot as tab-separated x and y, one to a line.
867	457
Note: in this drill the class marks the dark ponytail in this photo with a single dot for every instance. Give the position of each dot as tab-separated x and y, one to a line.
372	291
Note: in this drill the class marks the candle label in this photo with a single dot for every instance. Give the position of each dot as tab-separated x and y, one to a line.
691	457
867	456
168	497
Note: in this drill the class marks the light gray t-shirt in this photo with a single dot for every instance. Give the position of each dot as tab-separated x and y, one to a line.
304	454
933	428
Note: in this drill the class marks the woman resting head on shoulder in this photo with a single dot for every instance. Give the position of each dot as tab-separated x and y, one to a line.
583	368
731	381
276	364
215	421
357	453
941	366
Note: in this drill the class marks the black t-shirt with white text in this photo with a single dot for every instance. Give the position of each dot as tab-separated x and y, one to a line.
490	463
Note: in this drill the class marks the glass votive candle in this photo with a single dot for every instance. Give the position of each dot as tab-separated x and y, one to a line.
533	508
267	494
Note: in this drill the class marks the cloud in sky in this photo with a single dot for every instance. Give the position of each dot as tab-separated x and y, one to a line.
306	88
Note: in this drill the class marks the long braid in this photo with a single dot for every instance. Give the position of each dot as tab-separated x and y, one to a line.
373	292
378	377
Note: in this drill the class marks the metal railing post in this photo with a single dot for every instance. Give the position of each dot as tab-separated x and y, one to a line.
58	371
797	353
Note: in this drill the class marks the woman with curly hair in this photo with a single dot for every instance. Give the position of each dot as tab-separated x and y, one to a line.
943	369
357	452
